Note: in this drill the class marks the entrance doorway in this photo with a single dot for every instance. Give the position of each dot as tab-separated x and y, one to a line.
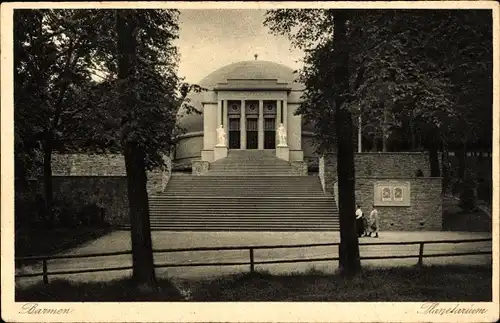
234	133
252	133
269	133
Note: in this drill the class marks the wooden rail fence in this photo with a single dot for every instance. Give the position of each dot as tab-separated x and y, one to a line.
45	273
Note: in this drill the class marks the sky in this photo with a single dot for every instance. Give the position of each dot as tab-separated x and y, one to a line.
212	38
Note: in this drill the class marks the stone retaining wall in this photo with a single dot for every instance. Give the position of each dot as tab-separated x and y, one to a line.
107	192
425	210
390	164
89	165
100	179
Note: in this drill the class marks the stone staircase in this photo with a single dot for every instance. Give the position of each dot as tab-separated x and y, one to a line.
251	163
247	191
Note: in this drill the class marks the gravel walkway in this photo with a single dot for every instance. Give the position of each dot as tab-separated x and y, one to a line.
120	241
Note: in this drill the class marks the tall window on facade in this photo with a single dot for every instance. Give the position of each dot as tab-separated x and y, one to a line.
269	133
252	133
252	125
269	124
234	113
234	133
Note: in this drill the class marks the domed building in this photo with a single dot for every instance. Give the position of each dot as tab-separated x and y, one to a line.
248	155
248	100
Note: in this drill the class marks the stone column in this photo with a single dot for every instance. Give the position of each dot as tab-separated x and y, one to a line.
278	115
285	114
219	113
261	125
243	127
225	107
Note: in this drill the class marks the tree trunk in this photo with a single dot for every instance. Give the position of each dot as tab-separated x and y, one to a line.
374	144
431	141
412	131
384	128
434	159
360	134
47	180
142	251
349	261
445	169
142	248
462	155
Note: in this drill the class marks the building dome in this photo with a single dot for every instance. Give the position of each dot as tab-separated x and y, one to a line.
252	70
246	70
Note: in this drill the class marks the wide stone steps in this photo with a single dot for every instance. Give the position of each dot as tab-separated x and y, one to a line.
241	202
238	201
227	192
228	216
248	212
293	186
249	171
215	205
251	163
235	228
278	180
246	222
251	168
206	213
247	191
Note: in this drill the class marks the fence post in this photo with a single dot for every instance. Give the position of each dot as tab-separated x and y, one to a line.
252	268
421	254
44	269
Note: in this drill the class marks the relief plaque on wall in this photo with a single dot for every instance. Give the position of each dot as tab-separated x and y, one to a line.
234	108
252	108
386	194
398	194
391	193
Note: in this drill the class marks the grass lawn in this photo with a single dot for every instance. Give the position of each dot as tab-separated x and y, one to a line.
433	283
112	291
41	242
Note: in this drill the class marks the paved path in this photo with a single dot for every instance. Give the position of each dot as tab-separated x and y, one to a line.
120	240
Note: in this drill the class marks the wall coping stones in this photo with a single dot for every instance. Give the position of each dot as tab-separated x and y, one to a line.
191	134
86	176
384	153
398	177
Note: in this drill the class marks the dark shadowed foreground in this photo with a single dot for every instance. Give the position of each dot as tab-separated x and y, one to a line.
434	283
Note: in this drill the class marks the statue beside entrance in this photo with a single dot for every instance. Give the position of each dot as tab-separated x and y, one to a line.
221	136
220	150
281	136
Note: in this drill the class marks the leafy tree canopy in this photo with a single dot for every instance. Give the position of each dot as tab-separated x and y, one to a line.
433	66
66	83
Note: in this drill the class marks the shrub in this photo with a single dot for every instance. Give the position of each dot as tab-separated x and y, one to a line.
66	214
468	198
91	215
456	186
485	190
